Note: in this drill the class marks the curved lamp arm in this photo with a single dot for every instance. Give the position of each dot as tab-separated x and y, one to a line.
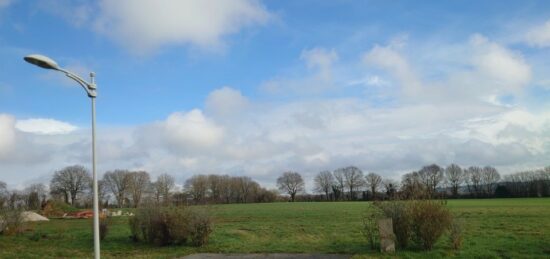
90	88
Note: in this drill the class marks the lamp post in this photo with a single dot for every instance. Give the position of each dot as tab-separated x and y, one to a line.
90	88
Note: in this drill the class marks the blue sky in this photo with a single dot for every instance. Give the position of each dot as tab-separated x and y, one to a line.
259	87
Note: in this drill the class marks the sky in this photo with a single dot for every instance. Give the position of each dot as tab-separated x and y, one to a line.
257	88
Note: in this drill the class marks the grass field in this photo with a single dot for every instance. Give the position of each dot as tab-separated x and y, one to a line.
496	228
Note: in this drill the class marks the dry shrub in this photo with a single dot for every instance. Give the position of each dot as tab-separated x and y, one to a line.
199	227
11	221
171	225
56	209
370	226
104	224
430	219
456	234
399	212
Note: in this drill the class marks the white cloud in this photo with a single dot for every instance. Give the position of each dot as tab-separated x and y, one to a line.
390	59
191	130
226	102
145	25
539	36
503	68
7	133
45	126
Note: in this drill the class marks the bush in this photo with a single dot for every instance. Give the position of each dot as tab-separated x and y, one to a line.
199	227
11	221
56	209
170	225
398	211
430	219
456	233
370	226
103	227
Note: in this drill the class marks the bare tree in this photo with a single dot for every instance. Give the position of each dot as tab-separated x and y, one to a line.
163	186
138	184
455	175
412	187
431	176
373	182
474	179
324	182
118	182
197	187
226	190
215	186
4	194
391	187
291	183
36	195
71	181
246	186
354	180
490	178
340	183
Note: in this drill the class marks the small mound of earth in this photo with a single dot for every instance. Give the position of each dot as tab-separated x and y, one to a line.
29	216
267	256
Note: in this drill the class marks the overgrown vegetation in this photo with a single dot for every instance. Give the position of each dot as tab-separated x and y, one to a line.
171	225
11	221
420	221
429	220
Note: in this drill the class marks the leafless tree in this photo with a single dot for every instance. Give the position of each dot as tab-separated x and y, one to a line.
226	190
412	187
138	184
340	183
118	182
163	186
291	183
215	186
474	179
246	187
324	182
36	195
71	181
354	180
431	176
489	179
197	187
455	176
4	194
373	182
391	187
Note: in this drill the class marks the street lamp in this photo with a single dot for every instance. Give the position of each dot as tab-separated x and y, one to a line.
90	88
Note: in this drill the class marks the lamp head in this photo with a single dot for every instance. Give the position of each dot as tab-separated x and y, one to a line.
42	61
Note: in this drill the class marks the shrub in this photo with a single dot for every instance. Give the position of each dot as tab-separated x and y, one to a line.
170	225
11	221
199	227
456	233
430	219
398	211
54	209
370	226
103	227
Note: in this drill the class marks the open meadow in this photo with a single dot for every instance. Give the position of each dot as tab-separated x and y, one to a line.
494	228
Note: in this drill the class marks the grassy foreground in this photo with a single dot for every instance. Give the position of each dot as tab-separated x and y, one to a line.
496	228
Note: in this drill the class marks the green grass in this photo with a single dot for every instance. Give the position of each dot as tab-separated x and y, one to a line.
496	228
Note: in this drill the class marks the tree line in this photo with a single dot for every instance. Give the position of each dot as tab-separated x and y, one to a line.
125	188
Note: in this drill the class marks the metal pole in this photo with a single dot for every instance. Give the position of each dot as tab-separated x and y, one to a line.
94	176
